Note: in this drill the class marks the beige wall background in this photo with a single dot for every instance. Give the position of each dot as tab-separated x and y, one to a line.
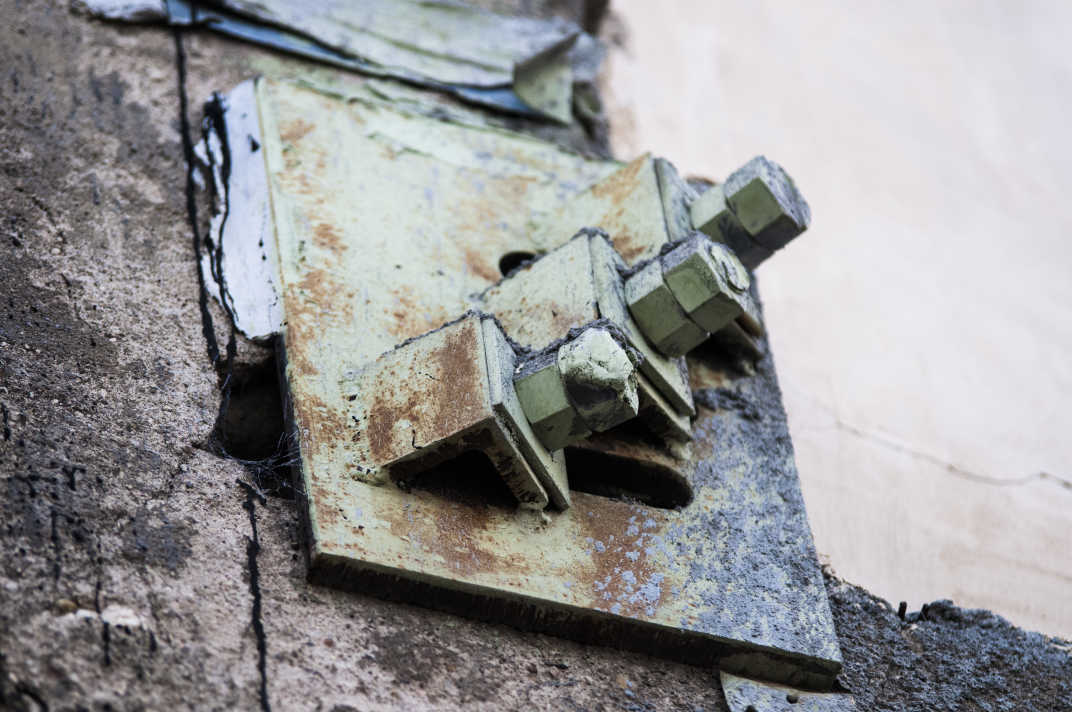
923	327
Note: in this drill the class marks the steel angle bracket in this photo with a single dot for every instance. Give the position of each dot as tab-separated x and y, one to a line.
401	336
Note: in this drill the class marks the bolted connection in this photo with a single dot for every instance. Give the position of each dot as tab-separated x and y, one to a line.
546	404
756	211
707	280
587	384
600	377
664	323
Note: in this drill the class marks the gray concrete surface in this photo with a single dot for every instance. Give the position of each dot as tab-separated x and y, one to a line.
922	325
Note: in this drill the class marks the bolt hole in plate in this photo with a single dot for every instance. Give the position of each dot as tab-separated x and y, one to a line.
471	480
626	479
512	260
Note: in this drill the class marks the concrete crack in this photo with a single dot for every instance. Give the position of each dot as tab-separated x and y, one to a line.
207	328
209	333
253	547
892	443
949	467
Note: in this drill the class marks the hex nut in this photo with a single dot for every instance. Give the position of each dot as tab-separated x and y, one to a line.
661	319
767	203
707	280
712	216
600	377
546	405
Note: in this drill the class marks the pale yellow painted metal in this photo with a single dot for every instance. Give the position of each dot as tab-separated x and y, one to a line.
549	466
390	224
627	205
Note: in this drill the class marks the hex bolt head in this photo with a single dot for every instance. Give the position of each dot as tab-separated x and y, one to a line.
542	392
708	281
766	202
600	377
662	320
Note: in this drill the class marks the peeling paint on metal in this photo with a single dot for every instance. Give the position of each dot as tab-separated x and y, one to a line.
124	10
243	260
513	64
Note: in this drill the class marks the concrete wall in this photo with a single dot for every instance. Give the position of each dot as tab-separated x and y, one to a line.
923	326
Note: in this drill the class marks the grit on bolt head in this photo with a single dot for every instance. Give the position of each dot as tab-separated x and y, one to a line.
546	404
600	379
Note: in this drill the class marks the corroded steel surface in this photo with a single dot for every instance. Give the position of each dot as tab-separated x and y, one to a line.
389	225
744	695
628	206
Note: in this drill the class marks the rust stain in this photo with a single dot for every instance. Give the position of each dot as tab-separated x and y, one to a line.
454	535
454	538
315	299
295	130
703	373
623	539
320	425
409	319
326	237
298	335
446	401
478	263
385	412
562	319
624	243
620	190
327	293
491	213
537	327
618	186
327	512
633	448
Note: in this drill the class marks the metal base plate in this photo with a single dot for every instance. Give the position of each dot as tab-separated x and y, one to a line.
387	223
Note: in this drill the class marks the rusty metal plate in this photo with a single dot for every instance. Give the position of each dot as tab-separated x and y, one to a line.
391	224
744	695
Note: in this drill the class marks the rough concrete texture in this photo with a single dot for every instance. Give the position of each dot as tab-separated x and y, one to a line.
136	573
945	658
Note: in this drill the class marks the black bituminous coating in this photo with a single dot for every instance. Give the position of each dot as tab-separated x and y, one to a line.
945	658
761	532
